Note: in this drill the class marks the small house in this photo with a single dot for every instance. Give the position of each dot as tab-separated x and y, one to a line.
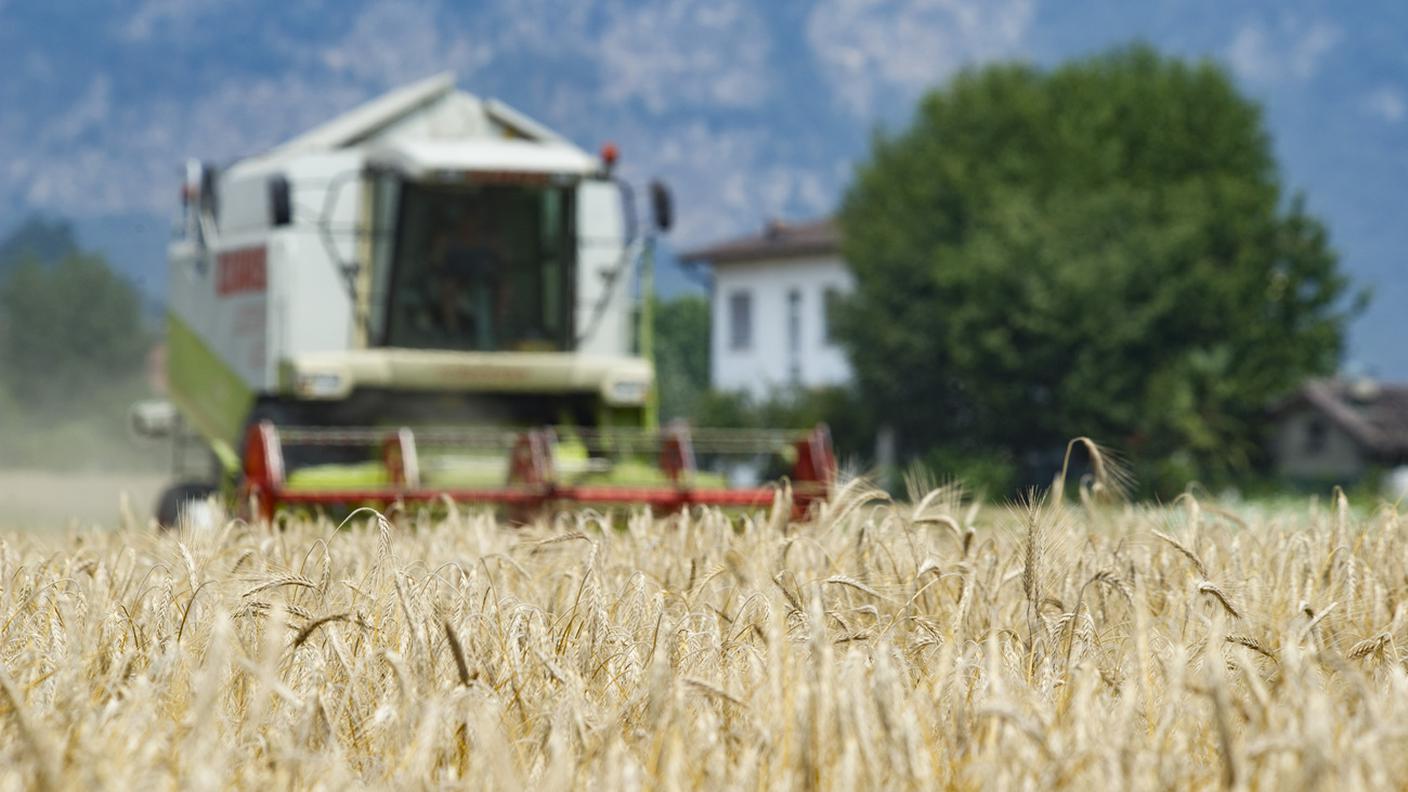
771	304
1340	431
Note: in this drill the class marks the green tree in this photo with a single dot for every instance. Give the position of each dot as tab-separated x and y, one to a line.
39	238
1103	249
681	353
67	332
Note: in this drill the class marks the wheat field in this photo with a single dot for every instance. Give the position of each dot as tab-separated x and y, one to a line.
1056	644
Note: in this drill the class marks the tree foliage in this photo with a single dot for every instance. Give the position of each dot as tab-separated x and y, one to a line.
1101	249
681	353
41	239
69	330
73	341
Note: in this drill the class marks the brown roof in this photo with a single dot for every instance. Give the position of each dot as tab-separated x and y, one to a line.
776	240
1374	414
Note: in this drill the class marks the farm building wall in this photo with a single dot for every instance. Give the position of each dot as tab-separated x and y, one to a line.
783	340
1308	446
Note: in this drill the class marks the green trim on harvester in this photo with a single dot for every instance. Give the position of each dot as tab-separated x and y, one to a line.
608	417
208	392
647	330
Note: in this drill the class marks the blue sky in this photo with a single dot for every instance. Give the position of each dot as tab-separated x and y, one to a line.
749	109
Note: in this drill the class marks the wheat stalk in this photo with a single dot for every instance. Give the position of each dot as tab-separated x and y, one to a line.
714	650
1216	592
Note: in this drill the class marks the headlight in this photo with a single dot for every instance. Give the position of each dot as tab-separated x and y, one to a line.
319	385
627	392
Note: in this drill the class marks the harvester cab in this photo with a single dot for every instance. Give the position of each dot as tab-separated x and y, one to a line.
432	296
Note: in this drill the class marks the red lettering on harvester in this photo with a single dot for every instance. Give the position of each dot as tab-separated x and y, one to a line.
240	271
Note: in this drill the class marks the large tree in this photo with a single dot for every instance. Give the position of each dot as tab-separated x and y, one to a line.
1103	248
46	240
69	331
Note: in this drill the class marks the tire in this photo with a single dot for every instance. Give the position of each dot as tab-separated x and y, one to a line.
176	499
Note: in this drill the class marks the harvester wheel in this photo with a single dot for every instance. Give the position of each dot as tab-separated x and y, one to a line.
177	498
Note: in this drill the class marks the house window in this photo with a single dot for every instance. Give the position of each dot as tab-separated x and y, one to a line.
831	300
794	336
1315	434
740	320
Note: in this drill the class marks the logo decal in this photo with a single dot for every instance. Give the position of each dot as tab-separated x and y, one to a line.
241	271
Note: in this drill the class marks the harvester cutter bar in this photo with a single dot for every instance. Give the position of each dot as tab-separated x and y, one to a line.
534	478
601	495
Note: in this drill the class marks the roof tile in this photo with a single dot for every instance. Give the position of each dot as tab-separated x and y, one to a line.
775	240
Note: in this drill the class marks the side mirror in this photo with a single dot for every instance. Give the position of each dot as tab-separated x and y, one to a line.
209	198
661	206
280	201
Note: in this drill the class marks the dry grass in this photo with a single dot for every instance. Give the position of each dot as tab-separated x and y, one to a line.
924	646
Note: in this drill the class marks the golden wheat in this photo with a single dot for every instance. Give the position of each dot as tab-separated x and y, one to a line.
1064	644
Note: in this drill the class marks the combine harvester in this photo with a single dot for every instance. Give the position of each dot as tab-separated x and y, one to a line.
433	296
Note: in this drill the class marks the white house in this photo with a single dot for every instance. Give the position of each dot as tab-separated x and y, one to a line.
770	308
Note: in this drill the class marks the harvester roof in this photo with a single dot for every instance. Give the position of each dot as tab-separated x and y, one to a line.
429	125
420	159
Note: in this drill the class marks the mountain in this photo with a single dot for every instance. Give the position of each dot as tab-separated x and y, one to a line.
749	110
